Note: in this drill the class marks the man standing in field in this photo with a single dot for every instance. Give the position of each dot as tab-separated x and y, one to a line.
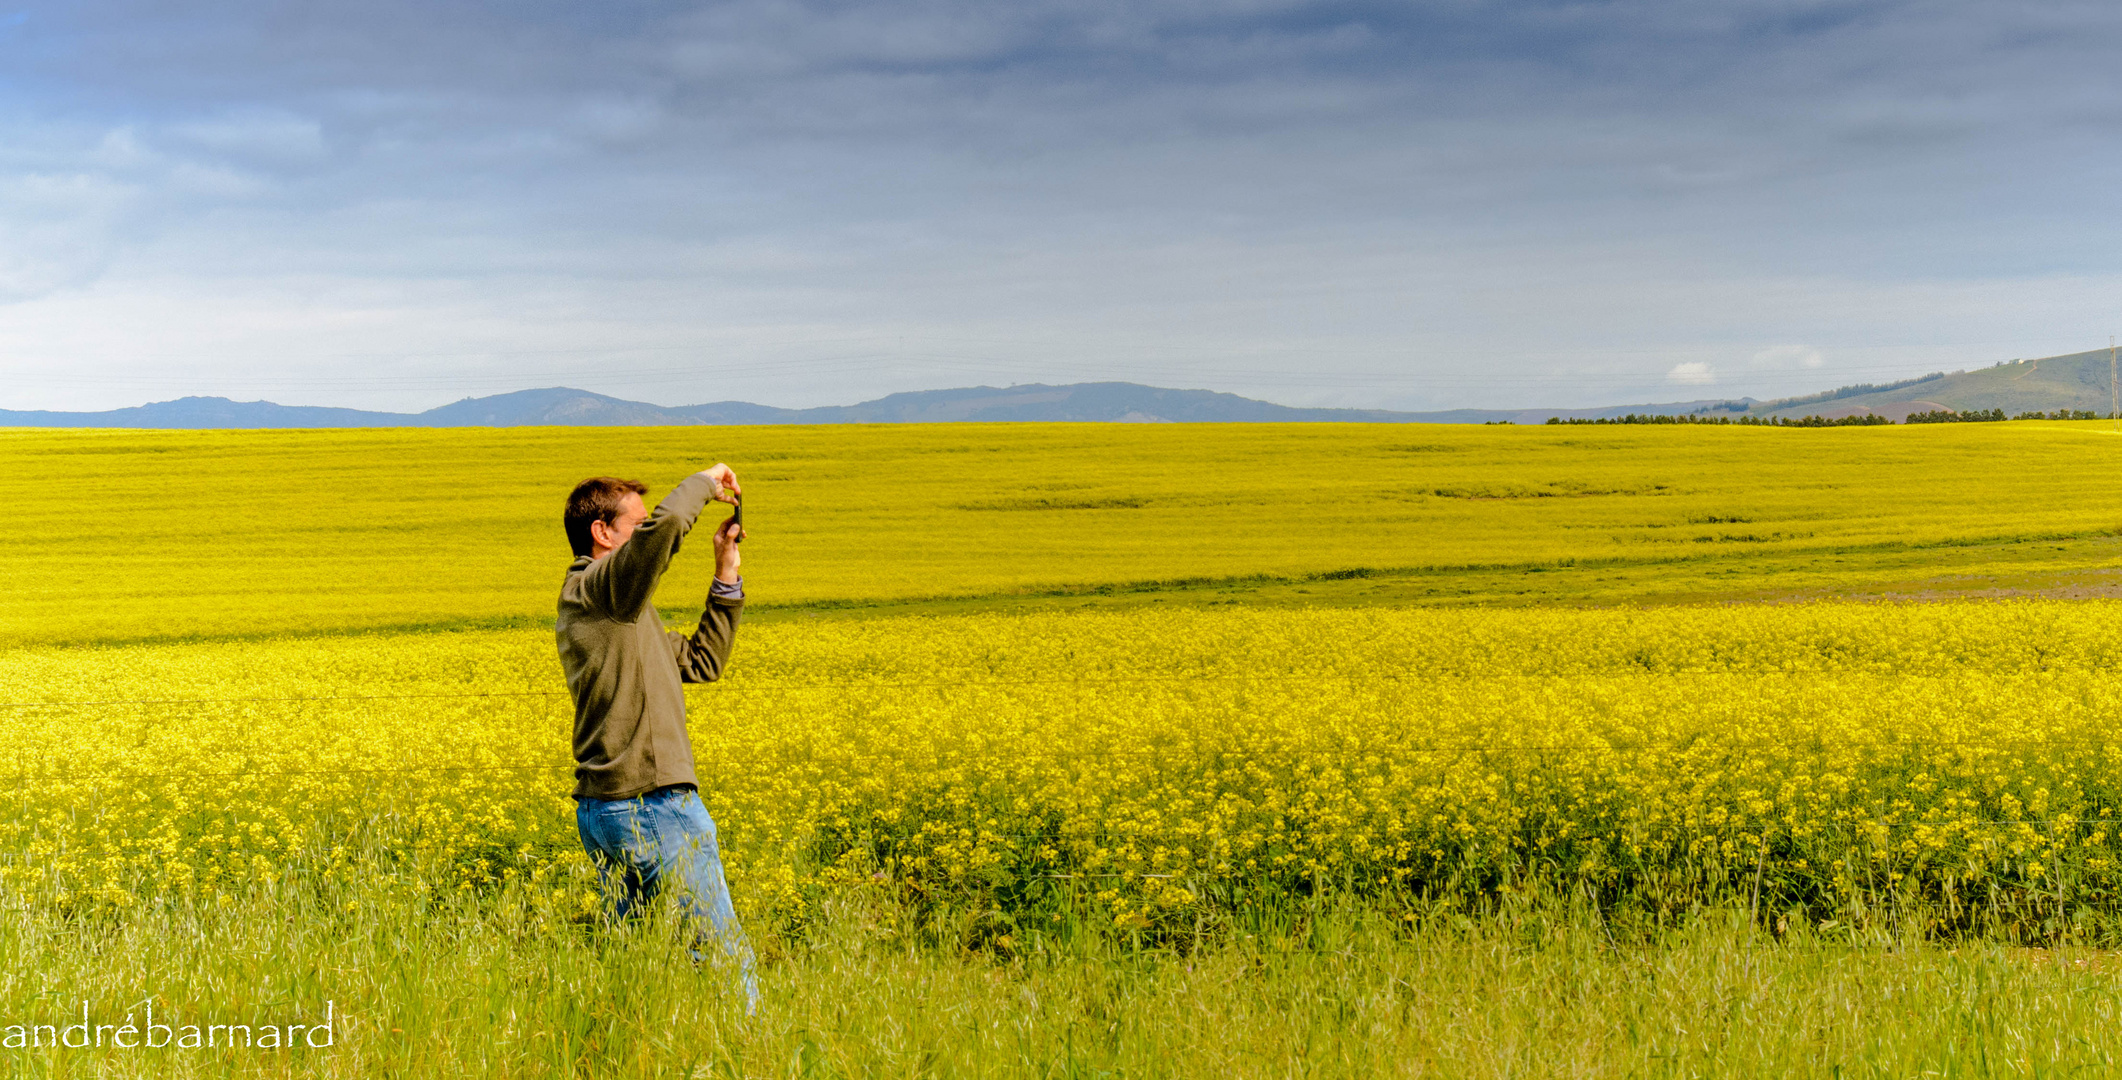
637	801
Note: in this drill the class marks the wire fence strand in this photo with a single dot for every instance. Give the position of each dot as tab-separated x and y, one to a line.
742	686
1224	758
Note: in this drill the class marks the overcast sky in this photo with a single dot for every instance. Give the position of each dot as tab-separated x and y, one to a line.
395	204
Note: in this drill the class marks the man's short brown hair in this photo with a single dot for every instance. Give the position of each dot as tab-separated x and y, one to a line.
599	498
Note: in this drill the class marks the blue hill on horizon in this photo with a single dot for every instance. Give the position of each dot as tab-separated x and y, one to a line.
1107	402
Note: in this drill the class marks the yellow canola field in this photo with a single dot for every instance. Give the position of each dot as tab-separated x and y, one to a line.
1153	760
169	534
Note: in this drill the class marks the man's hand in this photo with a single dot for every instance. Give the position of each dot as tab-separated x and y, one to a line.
727	556
726	477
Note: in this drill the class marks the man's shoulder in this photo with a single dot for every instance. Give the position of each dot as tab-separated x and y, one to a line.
584	612
571	586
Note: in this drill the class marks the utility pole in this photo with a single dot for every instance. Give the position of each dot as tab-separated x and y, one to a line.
2114	395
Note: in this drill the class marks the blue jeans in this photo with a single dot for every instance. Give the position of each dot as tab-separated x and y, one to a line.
666	837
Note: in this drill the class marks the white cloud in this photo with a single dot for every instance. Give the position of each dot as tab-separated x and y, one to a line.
57	229
1692	373
617	121
1787	357
273	136
74	200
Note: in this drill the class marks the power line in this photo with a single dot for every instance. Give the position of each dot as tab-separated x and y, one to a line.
742	687
259	700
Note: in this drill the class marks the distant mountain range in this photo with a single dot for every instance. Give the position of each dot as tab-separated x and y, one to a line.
2076	381
1113	402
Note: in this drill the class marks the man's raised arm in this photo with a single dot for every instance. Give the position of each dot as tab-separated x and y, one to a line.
623	581
703	654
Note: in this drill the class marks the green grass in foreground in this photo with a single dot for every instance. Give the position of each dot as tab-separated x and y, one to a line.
491	988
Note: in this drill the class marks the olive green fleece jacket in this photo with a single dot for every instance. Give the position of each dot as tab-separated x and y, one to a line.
624	670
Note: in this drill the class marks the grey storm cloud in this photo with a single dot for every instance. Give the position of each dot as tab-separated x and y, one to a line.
1403	205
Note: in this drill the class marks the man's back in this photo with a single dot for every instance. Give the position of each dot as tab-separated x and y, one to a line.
625	671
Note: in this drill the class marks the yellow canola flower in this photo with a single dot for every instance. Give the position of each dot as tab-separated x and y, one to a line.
1149	760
